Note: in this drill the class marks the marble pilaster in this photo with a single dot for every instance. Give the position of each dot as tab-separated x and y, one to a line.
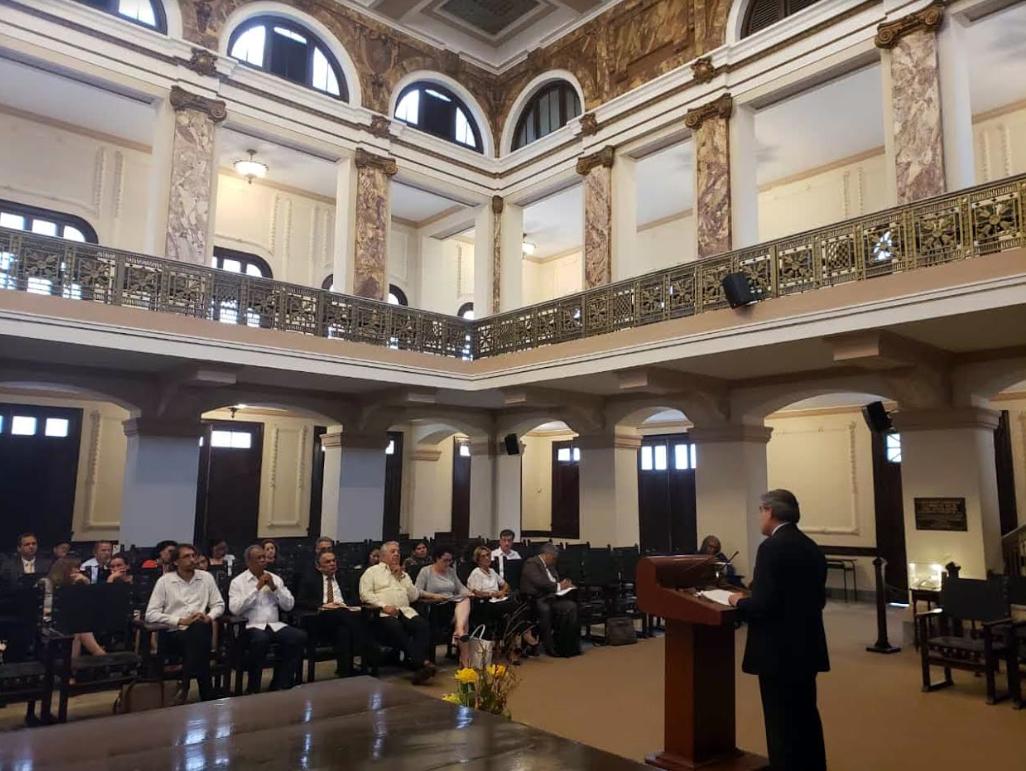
597	170
918	143
497	206
193	174
370	263
710	126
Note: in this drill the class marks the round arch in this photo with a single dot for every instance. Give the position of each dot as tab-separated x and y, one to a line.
479	116
266	7
172	18
735	19
537	83
70	390
757	406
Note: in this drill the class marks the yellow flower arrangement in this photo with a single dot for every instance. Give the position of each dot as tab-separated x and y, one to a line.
485	689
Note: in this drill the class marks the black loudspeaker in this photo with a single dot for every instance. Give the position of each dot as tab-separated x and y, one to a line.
512	444
876	417
738	289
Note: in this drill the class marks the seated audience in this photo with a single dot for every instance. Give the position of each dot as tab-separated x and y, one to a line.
163	557
540	583
373	556
337	620
186	602
323	544
217	550
202	562
270	551
65	572
711	546
438	581
26	562
505	551
95	568
259	595
118	570
388	587
418	559
61	549
487	584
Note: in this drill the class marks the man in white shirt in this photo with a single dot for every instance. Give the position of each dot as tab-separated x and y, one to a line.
92	567
505	550
388	587
258	595
321	596
185	602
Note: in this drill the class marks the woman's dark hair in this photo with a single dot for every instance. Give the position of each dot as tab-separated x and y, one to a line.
440	550
60	572
161	545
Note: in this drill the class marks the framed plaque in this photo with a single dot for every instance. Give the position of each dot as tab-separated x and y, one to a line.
941	514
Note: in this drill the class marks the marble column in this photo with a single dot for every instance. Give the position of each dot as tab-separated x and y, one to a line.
482	488
159	489
373	220
345	226
710	127
910	46
730	476
190	210
353	499
608	473
949	453
597	170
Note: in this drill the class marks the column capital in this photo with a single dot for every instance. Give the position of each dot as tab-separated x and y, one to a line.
946	418
603	157
485	449
730	433
384	164
605	441
186	100
721	107
498	204
425	453
163	427
354	440
929	18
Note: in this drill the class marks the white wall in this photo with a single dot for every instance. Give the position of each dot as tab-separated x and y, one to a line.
662	245
543	281
1000	145
446	275
75	172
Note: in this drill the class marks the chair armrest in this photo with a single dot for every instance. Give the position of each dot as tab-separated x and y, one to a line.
145	626
50	635
934	612
997	622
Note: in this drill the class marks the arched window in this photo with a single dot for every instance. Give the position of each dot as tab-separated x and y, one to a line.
326	284
397	296
437	110
241	262
290	51
548	110
466	311
46	222
148	13
763	13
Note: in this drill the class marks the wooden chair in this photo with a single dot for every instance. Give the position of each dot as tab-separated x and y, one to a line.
1017	641
31	679
597	593
969	632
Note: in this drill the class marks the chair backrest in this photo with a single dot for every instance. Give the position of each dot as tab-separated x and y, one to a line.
972	599
570	564
600	568
97	608
511	572
1017	590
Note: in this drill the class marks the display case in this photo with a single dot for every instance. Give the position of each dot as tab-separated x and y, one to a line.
925	576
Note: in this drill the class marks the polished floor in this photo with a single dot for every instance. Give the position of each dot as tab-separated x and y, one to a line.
355	724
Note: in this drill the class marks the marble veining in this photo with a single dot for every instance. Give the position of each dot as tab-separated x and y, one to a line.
496	259
712	194
372	217
918	143
598	226
189	204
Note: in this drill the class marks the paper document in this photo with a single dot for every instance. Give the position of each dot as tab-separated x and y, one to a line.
561	592
722	596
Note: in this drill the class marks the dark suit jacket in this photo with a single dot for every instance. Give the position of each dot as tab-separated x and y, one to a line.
11	569
785	611
534	582
310	594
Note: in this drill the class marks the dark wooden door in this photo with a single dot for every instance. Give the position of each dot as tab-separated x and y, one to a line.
228	488
393	484
890	513
566	490
461	489
316	483
38	472
1005	465
667	521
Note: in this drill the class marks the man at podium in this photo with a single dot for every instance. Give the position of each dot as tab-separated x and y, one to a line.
786	644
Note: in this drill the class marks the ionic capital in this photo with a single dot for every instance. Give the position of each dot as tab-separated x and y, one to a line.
366	160
186	100
721	107
929	18
603	157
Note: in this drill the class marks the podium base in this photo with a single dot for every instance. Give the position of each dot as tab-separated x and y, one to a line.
742	761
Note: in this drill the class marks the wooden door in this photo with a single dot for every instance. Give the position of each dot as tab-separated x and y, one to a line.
393	485
1005	464
316	483
228	488
461	489
566	490
667	521
890	513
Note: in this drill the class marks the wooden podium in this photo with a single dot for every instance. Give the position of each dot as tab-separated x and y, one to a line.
699	704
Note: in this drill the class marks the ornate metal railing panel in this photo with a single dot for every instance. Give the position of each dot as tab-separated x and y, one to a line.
980	220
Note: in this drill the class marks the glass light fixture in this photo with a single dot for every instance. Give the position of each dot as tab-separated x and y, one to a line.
250	168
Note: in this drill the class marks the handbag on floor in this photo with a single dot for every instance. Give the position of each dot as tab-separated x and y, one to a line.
479	649
139	696
620	631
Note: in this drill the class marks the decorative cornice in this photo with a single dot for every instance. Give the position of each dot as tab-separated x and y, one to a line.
889	33
603	157
178	429
730	433
721	107
354	440
203	62
380	126
485	449
498	203
366	160
185	100
945	419
702	69
589	124
429	454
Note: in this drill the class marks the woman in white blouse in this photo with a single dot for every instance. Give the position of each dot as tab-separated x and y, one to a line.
483	581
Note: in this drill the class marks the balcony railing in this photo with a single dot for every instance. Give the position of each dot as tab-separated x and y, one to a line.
956	226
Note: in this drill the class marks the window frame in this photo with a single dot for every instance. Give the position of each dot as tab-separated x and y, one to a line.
221	253
111	7
467	306
313	42
783	11
457	104
60	218
531	111
400	295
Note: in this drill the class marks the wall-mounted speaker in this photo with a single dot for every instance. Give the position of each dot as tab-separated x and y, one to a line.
738	289
876	417
512	444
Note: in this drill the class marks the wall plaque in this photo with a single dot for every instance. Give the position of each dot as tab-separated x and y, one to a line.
941	514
